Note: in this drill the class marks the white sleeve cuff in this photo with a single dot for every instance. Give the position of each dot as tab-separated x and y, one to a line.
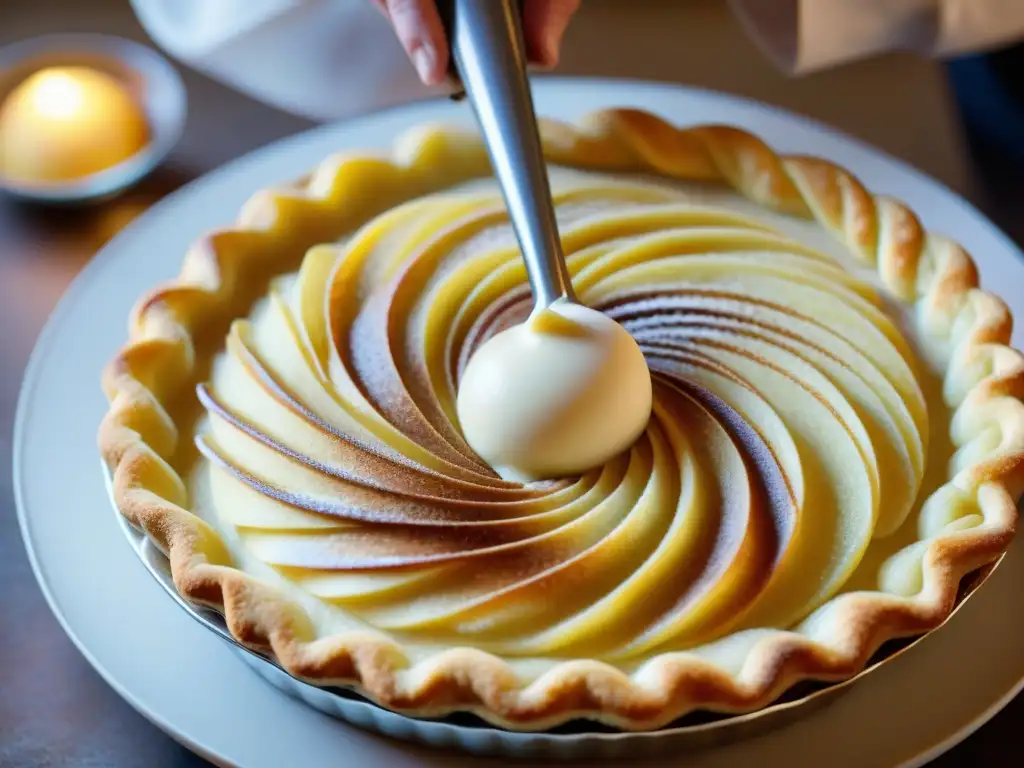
806	35
190	29
323	59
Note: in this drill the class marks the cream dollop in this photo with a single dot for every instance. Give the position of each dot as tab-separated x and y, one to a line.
557	395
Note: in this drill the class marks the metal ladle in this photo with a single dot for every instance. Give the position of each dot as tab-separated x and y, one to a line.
537	400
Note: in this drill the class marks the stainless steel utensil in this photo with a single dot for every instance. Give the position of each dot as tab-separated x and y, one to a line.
489	53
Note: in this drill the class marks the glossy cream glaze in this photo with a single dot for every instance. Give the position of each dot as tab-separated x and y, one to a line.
559	394
787	441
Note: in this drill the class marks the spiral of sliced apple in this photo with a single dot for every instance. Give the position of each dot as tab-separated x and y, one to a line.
788	430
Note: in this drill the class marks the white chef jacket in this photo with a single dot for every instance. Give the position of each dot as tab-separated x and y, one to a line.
331	59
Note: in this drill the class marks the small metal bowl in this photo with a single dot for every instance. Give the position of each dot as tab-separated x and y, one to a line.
149	78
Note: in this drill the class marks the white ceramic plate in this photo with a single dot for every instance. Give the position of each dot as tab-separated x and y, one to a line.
191	684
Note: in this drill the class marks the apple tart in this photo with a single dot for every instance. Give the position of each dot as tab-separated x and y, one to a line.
836	439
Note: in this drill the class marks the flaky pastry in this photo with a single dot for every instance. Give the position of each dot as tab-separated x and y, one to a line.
837	437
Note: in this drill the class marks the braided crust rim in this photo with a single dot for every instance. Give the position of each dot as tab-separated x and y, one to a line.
973	525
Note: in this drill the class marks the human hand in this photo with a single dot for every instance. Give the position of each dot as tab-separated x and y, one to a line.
418	26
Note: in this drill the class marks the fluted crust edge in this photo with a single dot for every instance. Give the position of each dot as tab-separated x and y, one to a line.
983	385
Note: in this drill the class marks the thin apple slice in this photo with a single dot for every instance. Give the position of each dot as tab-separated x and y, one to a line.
726	532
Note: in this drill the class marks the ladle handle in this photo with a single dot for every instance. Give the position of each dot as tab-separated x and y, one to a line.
486	39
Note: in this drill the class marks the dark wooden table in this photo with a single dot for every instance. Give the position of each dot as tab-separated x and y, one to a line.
54	709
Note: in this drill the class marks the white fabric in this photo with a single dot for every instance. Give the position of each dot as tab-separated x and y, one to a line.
300	55
806	35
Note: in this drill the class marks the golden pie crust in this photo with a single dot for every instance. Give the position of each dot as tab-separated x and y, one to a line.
177	329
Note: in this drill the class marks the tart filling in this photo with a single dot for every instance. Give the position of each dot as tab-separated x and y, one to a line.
836	435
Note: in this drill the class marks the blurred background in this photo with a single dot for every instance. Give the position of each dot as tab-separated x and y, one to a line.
961	122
